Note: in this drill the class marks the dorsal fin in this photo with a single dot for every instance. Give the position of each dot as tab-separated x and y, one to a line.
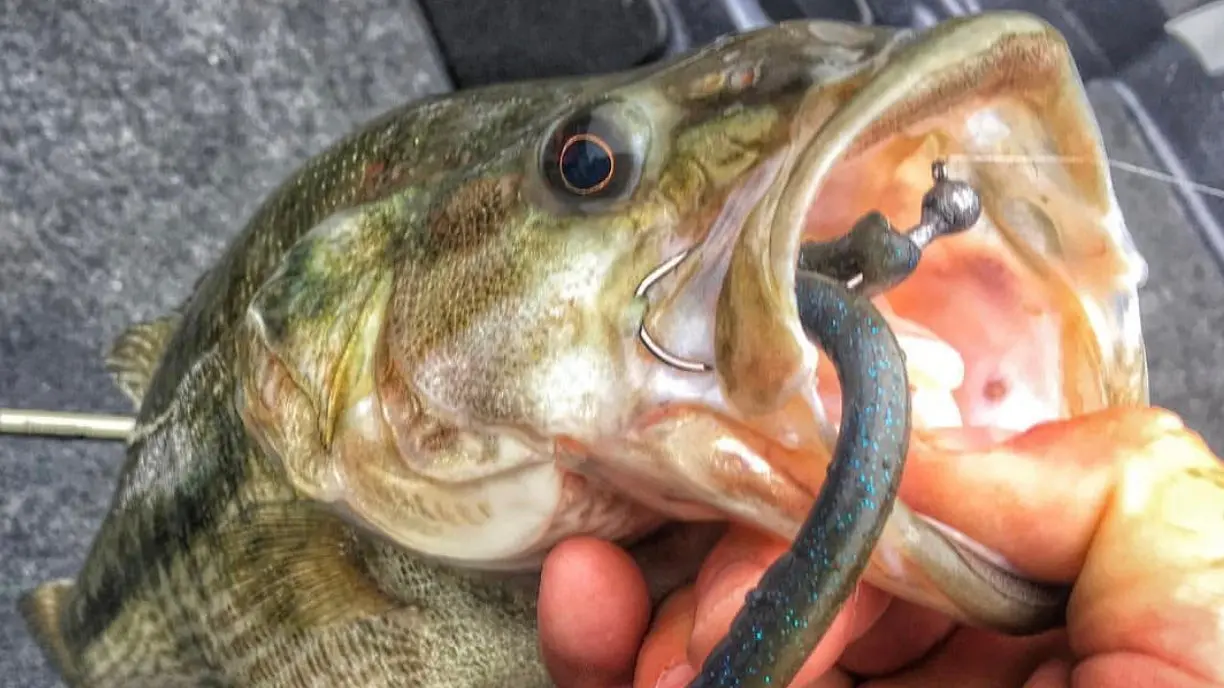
135	354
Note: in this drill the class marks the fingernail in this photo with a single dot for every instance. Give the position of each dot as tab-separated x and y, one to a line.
676	677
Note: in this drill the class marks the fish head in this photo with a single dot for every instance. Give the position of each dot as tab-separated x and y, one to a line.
575	311
428	355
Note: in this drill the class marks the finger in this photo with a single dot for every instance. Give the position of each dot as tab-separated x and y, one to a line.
663	660
1037	498
905	633
680	677
1130	670
741	548
716	611
1054	673
1127	503
593	612
753	551
1153	583
833	678
694	622
972	658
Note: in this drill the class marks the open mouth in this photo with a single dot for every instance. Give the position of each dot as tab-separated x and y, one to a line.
1029	317
1050	258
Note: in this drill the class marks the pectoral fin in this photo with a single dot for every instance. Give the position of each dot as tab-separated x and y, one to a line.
298	565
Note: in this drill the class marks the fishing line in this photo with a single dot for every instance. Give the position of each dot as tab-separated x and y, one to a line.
1139	170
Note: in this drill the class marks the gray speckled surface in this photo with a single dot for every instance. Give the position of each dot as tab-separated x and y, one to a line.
136	137
1183	301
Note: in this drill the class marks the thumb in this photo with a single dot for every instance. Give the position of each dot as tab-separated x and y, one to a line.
1128	504
1037	498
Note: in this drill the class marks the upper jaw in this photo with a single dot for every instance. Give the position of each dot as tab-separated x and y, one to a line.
730	304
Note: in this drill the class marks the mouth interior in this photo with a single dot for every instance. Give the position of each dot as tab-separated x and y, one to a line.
981	331
1025	318
1004	326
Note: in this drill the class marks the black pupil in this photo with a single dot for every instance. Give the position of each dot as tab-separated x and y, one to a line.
585	164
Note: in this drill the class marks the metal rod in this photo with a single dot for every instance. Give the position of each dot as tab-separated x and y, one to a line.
63	424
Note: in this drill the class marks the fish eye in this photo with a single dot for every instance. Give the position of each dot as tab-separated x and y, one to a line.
586	164
591	156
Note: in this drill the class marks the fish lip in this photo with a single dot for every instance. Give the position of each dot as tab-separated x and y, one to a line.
1043	604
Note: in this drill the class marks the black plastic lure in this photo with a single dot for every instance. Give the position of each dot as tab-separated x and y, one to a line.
796	601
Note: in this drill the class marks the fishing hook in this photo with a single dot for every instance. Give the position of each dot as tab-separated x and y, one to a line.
647	340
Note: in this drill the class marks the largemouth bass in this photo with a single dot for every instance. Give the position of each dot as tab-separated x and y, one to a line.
431	356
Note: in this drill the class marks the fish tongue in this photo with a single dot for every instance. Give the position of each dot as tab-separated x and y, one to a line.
930	361
936	371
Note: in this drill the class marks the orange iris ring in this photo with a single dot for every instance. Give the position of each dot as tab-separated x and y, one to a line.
569	143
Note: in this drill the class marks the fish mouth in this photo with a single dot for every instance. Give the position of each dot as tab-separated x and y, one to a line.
1029	317
972	92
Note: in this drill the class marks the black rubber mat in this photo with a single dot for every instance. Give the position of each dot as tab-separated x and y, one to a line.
485	41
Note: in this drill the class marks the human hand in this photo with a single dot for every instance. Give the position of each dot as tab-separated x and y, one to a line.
1126	504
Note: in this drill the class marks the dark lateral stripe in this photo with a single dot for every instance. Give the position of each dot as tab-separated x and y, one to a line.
191	467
